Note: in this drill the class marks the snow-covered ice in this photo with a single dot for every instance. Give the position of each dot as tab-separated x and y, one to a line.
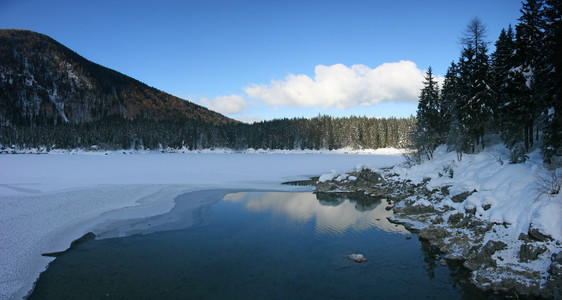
47	201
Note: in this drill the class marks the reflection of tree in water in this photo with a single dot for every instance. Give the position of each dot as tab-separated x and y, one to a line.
362	201
331	199
460	276
429	258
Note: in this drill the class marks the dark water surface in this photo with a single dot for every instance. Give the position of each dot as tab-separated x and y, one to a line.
258	245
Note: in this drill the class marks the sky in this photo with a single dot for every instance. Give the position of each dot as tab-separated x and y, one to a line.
256	60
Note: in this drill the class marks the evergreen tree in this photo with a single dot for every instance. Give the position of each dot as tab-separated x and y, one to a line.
502	62
529	40
426	136
475	106
550	82
448	98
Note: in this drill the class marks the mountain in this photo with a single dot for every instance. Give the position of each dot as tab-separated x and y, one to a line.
52	98
42	82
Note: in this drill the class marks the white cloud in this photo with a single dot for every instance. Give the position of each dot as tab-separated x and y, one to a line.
249	119
343	87
227	105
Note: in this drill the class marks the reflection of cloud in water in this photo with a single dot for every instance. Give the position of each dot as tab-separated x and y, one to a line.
337	216
235	197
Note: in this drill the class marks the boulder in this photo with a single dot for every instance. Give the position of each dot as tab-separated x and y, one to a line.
483	257
458	198
433	233
358	258
535	234
455	218
530	251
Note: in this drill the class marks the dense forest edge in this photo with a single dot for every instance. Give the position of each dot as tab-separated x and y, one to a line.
113	133
515	92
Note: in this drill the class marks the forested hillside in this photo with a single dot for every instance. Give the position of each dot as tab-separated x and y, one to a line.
514	92
53	98
43	83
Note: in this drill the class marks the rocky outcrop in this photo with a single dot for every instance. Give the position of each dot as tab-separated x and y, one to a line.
460	235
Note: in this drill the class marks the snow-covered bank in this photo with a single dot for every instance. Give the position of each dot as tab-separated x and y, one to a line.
96	151
46	201
515	193
504	221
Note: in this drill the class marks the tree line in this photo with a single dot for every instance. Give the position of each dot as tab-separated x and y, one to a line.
514	92
115	132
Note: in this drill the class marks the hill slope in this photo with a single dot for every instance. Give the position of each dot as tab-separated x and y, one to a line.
43	82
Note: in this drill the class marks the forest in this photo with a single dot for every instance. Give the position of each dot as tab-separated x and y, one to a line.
513	92
115	132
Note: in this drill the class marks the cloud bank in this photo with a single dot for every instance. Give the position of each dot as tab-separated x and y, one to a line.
343	87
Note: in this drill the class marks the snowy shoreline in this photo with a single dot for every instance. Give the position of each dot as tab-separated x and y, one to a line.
47	201
95	151
502	221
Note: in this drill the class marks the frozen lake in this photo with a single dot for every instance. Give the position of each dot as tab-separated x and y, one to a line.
254	245
47	201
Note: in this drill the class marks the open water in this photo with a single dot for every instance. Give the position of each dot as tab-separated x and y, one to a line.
260	245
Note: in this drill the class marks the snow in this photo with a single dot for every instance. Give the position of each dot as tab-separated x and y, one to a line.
511	189
49	200
514	197
518	194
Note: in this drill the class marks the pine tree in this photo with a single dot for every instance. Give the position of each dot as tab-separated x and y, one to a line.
426	136
511	92
529	40
448	98
550	82
502	61
475	94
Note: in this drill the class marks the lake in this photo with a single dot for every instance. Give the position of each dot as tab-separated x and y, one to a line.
255	245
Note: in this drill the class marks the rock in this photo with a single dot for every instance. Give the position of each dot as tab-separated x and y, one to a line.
358	258
417	209
557	257
486	206
483	257
454	257
445	190
530	251
437	220
433	233
462	196
535	234
455	218
443	262
471	210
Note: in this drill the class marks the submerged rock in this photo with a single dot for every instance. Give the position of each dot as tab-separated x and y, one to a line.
358	258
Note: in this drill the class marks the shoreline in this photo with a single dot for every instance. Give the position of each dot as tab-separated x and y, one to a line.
529	264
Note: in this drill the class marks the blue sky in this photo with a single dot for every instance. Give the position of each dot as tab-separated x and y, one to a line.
260	59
